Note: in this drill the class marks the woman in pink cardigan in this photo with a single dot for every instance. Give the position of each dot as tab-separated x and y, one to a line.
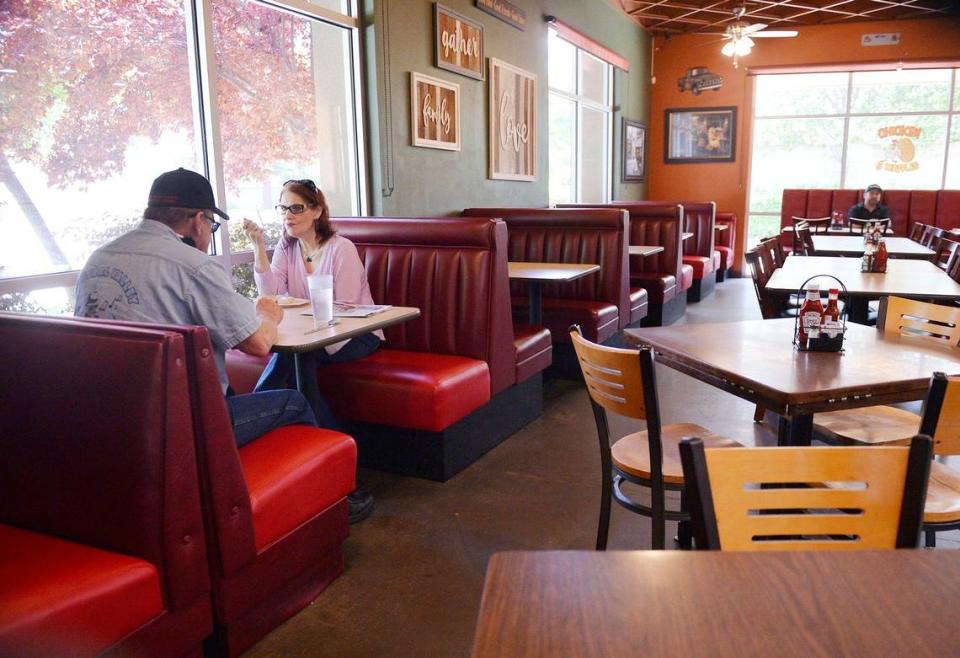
309	244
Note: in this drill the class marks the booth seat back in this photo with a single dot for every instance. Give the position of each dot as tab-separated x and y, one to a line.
938	207
727	238
698	218
455	272
96	444
656	224
571	235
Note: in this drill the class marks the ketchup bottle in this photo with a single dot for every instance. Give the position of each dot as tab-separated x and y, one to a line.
880	258
811	313
832	312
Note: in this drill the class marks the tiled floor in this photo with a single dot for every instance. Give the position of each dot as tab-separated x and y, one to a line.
414	570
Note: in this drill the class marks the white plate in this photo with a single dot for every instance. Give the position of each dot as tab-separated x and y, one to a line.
290	302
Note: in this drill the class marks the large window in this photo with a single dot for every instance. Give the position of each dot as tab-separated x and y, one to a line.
97	97
899	129
581	89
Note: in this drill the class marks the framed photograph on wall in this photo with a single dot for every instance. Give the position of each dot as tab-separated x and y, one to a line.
513	122
706	134
634	151
457	42
434	112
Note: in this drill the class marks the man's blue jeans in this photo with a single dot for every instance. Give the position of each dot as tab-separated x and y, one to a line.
255	414
279	373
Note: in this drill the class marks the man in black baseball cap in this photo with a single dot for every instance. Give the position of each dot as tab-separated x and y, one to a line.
182	188
871	208
160	273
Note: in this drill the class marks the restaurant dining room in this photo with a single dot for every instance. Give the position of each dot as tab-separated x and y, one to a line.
487	328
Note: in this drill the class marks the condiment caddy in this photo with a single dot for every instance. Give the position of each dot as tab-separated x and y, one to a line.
818	328
874	252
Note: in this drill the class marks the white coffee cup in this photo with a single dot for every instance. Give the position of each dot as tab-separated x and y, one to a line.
321	299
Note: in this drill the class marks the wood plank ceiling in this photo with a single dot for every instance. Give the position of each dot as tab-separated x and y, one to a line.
684	16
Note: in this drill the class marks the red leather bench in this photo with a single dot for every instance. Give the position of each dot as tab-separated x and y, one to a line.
726	244
600	303
938	207
664	275
102	548
275	510
452	384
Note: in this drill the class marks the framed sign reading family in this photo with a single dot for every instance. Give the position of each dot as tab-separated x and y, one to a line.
434	112
513	122
458	43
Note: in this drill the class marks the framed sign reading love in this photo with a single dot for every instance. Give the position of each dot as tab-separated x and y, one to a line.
513	122
434	112
458	42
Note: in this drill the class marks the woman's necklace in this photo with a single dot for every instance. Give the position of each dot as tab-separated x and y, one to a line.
313	254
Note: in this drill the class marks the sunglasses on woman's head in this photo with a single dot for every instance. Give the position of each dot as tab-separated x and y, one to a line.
306	182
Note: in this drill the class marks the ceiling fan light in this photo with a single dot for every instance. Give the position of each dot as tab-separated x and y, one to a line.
728	49
742	48
748	41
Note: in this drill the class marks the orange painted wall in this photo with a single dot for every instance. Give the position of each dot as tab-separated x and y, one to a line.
727	183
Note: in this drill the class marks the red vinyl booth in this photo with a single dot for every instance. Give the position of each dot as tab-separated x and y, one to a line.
600	303
102	547
938	207
275	510
726	243
450	385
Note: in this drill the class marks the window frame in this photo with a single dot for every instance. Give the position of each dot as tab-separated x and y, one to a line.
203	79
952	114
580	102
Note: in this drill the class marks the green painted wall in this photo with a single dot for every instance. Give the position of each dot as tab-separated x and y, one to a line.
399	39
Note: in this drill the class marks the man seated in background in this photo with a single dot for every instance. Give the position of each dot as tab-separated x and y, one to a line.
871	208
160	272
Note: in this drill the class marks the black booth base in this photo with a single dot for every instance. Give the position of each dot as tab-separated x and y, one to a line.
701	288
661	315
441	455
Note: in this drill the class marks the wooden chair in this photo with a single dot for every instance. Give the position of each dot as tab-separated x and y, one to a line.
623	381
761	270
860	226
803	240
941	420
930	235
773	251
816	224
883	424
777	499
953	270
946	251
917	231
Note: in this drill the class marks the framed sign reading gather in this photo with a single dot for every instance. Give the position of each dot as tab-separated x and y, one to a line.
434	112
513	122
458	43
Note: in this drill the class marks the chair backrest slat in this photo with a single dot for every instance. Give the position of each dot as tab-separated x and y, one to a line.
941	414
908	317
843	498
917	231
860	226
612	376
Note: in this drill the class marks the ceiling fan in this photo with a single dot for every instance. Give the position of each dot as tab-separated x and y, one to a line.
739	35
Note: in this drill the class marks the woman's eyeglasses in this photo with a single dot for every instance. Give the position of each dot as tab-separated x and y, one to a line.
295	209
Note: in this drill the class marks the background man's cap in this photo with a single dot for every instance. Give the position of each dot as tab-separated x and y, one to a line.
182	188
874	186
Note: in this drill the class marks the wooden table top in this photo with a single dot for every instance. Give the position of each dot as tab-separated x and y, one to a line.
686	236
297	334
755	360
548	272
644	250
835	230
917	279
713	603
835	245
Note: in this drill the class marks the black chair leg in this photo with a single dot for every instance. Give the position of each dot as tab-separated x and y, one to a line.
659	526
684	533
603	526
931	538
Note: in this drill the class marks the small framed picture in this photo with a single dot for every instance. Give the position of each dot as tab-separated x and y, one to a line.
634	151
705	134
434	113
